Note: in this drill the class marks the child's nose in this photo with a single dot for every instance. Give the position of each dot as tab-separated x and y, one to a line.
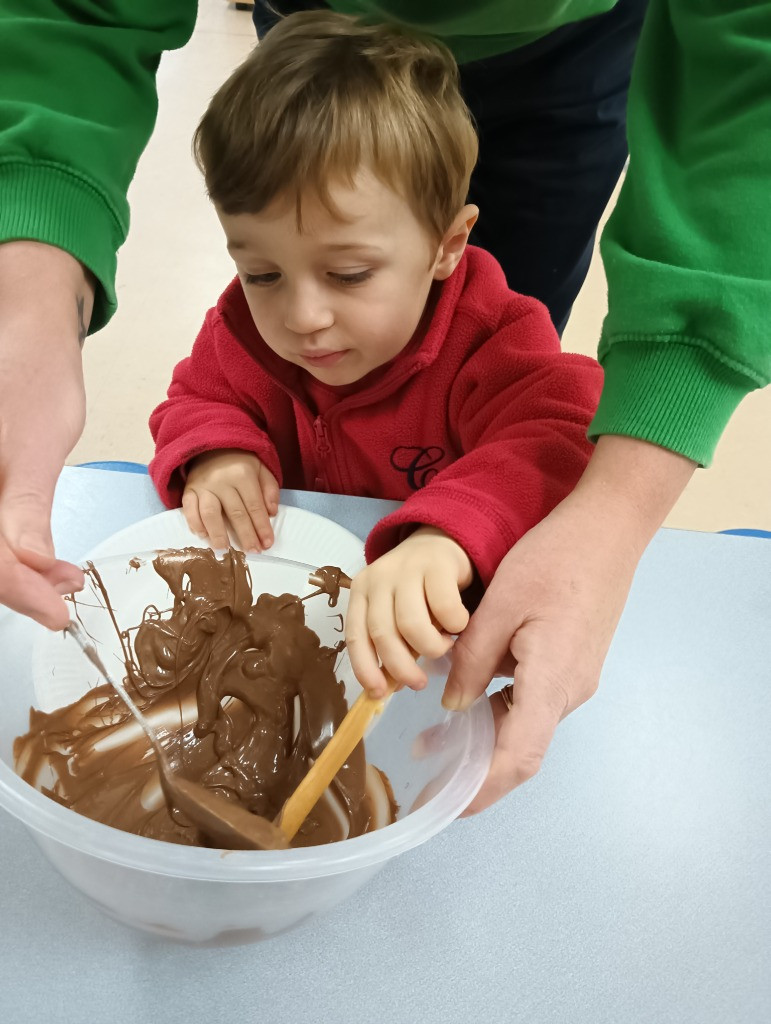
306	311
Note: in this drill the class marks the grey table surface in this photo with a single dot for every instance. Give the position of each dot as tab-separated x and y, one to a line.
628	882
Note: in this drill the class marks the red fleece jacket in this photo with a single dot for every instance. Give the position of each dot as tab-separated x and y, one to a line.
480	426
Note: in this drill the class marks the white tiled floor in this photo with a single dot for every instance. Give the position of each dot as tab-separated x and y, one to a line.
174	265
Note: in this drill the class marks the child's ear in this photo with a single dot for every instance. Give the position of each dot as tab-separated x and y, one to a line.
454	242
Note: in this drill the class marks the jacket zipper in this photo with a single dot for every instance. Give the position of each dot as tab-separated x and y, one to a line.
323	449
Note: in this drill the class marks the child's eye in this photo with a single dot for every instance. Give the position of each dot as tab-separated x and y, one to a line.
262	280
348	279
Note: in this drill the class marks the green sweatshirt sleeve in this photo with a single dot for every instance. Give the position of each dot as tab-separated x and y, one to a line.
687	251
77	106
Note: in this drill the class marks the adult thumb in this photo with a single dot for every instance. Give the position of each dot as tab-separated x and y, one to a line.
478	652
25	514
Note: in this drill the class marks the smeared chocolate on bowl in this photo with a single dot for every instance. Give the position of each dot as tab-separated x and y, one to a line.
242	694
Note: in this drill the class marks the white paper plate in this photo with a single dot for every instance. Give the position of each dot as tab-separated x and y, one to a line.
304	540
299	535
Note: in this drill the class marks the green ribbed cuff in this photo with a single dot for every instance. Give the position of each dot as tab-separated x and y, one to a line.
47	203
670	392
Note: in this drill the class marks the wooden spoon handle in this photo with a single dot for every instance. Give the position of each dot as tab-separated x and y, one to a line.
332	758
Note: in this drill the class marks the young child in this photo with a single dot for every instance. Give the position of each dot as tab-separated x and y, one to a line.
364	348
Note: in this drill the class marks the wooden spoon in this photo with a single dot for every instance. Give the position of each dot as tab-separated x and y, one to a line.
349	733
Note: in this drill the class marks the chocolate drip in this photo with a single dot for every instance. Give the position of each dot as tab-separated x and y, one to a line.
221	678
329	579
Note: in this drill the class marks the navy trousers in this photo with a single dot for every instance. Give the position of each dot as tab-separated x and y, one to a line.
551	118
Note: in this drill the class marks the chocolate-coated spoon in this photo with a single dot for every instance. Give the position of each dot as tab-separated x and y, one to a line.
227	825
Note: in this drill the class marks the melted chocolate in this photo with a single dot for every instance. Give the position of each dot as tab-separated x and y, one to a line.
329	579
221	678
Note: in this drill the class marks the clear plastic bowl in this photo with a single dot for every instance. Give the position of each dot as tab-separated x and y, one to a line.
436	762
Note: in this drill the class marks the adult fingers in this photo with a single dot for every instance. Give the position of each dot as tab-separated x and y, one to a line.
25	507
27	591
58	573
479	650
524	734
31	577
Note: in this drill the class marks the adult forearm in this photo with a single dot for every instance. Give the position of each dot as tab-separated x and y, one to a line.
637	481
46	300
42	286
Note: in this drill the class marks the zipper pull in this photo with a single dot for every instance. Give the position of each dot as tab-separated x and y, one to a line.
322	436
323	448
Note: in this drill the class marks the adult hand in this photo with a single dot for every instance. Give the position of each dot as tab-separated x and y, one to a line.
406	603
231	486
46	299
554	603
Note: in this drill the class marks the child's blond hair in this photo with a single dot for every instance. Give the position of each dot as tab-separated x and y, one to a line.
322	96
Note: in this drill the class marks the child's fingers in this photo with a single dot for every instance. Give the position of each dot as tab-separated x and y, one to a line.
241	513
270	490
392	650
361	650
255	503
211	513
413	619
191	513
444	600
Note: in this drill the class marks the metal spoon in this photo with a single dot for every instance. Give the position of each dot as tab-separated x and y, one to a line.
229	826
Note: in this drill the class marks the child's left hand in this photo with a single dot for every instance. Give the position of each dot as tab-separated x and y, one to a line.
405	604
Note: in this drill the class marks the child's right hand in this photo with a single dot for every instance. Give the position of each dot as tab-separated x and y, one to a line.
232	487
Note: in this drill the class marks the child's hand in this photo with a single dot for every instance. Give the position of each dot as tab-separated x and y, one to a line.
409	598
231	486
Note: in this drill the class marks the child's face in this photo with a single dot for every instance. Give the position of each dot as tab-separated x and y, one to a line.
342	297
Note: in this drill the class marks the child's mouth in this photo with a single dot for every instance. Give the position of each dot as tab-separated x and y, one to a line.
324	358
